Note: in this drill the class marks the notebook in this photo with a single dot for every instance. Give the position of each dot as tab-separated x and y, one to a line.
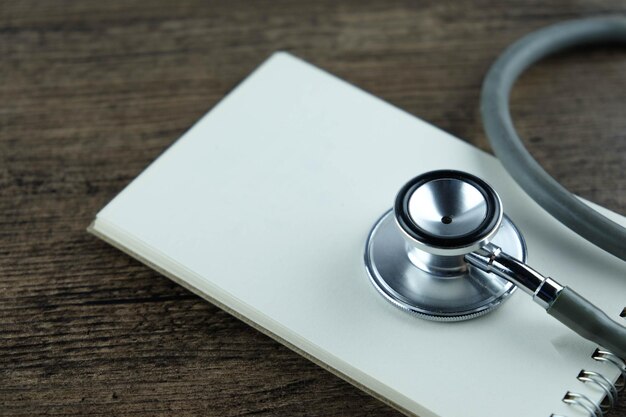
263	208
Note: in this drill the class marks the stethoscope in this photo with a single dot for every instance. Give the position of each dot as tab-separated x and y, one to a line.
446	251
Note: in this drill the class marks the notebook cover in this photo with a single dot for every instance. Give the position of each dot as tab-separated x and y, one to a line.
263	208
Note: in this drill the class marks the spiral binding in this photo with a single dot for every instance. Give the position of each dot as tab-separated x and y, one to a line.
607	386
611	389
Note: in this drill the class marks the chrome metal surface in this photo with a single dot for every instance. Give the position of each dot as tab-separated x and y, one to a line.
547	293
456	291
447	207
603	382
462	250
584	402
436	264
602	355
491	258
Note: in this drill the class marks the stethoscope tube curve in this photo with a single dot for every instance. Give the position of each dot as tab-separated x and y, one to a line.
508	146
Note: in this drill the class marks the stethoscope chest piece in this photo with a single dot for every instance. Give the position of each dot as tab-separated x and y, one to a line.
415	253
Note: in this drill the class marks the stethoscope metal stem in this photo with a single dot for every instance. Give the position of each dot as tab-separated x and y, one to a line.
490	258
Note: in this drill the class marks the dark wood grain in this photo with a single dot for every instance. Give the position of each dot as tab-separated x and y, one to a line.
92	91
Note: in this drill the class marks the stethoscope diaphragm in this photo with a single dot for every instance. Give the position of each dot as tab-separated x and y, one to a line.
447	252
415	252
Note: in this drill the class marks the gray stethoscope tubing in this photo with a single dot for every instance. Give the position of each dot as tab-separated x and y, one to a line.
508	146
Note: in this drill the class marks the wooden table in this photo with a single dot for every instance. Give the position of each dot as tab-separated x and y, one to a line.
93	91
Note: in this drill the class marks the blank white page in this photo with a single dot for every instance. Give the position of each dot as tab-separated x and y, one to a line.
264	207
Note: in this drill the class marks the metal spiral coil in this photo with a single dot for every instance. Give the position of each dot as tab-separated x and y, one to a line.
583	401
609	357
611	389
605	385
